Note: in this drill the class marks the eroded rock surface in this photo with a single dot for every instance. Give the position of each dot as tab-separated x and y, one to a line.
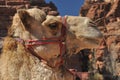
106	13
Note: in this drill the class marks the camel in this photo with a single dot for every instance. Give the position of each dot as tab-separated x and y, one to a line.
36	44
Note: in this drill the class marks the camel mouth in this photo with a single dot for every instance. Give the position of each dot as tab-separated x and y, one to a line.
94	40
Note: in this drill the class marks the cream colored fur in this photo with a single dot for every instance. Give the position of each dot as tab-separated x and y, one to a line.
82	32
17	62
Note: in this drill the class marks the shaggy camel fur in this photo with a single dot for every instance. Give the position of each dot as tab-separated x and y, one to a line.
17	62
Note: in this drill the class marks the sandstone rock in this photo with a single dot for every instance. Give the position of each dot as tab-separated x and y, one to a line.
106	13
115	9
110	1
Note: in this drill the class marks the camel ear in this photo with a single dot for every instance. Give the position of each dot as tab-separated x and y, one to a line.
25	17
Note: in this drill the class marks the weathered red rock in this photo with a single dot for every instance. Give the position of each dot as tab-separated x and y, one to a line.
106	13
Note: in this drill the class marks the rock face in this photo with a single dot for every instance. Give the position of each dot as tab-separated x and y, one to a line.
106	14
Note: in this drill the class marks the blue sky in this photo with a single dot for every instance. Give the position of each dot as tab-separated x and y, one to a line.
68	7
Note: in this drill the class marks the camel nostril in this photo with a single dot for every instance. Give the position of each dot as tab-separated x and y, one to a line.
93	24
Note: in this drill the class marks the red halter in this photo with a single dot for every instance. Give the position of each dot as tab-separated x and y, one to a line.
58	40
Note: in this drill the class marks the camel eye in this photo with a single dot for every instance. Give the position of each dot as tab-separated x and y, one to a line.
53	26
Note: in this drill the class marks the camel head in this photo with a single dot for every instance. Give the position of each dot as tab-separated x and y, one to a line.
81	32
26	26
45	34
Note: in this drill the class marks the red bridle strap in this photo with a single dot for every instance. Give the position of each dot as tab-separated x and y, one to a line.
57	40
